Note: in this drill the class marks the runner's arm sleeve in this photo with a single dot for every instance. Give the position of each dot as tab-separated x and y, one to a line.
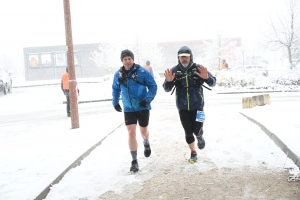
151	85
211	81
116	90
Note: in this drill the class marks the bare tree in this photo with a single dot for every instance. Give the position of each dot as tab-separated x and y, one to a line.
285	32
107	56
217	49
12	61
144	51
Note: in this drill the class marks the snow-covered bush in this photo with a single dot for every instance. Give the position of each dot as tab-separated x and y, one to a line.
228	80
287	77
276	80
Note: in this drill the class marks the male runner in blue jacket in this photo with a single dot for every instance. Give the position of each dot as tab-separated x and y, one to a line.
138	89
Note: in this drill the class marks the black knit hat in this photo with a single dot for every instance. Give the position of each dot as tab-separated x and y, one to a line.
126	52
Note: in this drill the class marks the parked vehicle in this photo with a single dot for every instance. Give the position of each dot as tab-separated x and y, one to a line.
251	69
5	81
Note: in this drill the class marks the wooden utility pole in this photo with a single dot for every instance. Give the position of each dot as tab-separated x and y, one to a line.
71	67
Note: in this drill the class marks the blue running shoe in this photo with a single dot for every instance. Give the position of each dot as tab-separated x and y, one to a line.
201	142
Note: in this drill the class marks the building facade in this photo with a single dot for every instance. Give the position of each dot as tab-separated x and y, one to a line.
50	62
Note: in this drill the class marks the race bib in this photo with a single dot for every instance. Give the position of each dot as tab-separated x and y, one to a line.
200	116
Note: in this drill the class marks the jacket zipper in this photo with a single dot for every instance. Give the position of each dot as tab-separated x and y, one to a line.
187	90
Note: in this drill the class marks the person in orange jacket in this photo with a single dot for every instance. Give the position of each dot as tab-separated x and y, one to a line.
65	89
148	67
224	64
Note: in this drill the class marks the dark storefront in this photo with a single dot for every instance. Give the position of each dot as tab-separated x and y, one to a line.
50	62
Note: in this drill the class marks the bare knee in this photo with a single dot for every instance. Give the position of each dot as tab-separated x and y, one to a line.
131	131
131	134
144	132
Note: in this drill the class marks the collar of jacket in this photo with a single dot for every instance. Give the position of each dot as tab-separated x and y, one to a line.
183	68
133	67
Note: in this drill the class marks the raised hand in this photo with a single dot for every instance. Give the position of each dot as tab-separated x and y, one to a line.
203	72
168	75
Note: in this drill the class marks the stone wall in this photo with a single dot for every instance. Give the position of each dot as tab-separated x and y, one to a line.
258	100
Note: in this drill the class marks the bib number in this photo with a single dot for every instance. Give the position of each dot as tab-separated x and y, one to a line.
200	116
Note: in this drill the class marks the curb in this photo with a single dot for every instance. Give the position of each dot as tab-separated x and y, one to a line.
90	101
76	163
277	141
265	91
47	84
37	85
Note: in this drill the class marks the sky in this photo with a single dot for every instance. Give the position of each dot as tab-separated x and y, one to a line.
41	23
32	155
34	23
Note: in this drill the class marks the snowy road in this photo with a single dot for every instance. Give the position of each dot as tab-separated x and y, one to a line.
239	162
37	144
44	104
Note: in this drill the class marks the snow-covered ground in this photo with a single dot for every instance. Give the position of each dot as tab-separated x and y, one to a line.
32	157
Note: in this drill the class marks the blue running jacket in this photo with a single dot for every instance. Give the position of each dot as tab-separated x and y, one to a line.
138	88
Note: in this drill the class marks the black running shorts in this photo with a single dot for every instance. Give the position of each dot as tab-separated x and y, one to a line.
140	116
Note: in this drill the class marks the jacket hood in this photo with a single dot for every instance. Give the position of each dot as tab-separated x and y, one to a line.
185	50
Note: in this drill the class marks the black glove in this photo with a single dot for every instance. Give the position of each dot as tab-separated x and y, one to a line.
118	108
144	103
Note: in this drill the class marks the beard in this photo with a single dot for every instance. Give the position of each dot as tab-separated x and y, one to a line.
185	64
